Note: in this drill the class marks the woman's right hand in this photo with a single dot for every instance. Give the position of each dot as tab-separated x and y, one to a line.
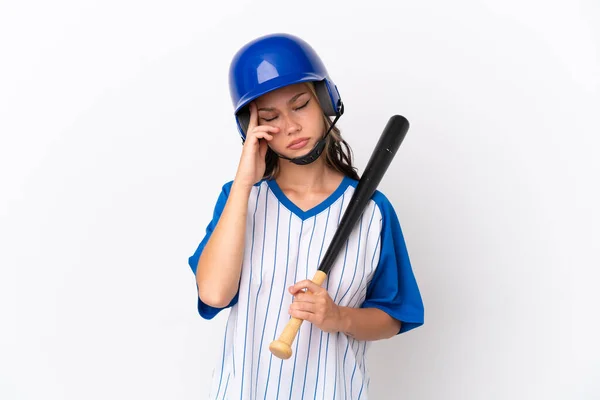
252	161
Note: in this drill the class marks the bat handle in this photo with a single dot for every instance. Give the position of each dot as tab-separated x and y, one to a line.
282	347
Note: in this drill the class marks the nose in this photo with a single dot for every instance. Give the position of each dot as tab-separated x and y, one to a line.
290	125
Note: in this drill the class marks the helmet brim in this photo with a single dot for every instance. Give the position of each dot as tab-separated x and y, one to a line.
274	84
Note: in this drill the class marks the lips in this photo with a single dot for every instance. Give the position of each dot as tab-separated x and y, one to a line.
298	143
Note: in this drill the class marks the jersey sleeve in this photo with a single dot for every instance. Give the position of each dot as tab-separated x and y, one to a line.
206	311
393	287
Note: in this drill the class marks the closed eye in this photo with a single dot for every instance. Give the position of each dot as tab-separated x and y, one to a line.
295	109
304	105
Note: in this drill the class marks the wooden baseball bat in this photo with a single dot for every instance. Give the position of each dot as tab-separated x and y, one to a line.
380	159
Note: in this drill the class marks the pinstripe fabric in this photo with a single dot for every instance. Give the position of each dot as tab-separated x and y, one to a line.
284	245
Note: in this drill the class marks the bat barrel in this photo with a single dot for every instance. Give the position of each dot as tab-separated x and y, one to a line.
381	158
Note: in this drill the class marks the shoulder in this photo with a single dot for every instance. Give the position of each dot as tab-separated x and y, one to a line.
379	199
226	187
224	193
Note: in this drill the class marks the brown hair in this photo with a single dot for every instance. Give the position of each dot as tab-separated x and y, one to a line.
337	152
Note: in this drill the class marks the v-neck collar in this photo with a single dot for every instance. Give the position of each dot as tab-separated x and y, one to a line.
314	210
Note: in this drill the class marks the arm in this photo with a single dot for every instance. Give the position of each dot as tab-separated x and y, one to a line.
393	288
367	323
318	308
220	264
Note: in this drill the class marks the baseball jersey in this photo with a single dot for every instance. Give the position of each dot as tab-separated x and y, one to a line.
283	245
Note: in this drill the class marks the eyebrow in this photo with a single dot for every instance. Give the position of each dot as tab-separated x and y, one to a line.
289	102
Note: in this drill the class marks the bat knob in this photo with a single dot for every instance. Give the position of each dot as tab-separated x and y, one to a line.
280	349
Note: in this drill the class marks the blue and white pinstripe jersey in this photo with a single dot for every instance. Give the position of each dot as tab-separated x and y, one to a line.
284	245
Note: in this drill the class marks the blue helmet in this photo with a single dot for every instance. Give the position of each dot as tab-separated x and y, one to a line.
274	61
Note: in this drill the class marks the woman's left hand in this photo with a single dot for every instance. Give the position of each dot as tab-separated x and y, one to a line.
315	306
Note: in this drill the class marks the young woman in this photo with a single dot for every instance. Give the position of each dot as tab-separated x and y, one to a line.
271	226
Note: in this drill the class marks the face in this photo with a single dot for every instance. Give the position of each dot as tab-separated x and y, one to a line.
296	112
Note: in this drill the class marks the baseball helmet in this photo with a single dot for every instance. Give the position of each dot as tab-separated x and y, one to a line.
274	61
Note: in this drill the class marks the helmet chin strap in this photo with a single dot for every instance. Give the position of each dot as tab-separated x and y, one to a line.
316	151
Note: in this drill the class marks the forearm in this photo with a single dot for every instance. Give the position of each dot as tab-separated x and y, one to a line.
367	323
220	263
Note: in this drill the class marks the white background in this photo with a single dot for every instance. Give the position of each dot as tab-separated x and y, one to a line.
117	134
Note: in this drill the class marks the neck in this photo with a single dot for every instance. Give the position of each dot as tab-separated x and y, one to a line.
305	177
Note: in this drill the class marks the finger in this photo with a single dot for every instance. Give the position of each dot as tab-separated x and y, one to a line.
305	297
263	128
253	117
260	132
255	137
263	135
303	315
308	285
303	306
